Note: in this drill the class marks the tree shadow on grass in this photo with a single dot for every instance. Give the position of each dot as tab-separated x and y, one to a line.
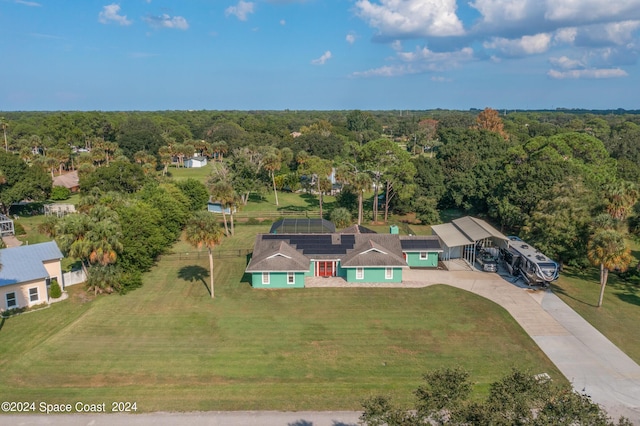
559	290
2	322
195	273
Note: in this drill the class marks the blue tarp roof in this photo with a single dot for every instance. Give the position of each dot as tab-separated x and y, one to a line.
24	263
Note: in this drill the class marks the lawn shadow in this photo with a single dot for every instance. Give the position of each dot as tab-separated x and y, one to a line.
256	198
194	273
559	290
2	323
292	208
630	298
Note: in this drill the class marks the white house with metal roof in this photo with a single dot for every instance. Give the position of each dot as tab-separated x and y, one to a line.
26	272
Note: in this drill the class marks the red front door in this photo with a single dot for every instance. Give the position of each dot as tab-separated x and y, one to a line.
326	269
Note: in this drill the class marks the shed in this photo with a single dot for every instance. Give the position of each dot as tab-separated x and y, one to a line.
195	162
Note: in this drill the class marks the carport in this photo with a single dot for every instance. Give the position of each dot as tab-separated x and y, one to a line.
463	236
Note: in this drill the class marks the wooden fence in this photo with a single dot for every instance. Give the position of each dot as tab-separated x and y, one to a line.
204	254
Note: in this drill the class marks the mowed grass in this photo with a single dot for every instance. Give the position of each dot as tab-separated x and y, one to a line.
170	347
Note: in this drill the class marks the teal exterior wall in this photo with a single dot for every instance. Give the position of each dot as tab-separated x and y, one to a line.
414	261
312	269
277	280
373	275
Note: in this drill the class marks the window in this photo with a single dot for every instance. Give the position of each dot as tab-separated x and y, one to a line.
423	255
265	278
388	273
11	300
291	278
359	273
33	294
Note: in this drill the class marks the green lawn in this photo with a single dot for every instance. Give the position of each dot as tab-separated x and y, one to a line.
199	173
169	347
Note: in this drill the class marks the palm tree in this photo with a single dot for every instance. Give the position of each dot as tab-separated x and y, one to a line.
4	125
608	250
620	199
272	163
203	230
223	192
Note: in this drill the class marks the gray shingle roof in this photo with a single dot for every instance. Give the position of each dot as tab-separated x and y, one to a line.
24	263
276	255
382	250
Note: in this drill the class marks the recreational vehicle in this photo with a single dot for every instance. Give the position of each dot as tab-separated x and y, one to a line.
524	260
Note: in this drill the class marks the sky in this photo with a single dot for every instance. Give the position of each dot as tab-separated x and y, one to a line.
319	54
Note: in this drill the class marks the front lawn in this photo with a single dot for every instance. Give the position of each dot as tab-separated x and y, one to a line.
170	347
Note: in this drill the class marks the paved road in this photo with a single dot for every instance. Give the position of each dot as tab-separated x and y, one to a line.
222	418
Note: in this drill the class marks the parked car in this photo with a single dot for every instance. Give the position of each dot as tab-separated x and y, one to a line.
487	261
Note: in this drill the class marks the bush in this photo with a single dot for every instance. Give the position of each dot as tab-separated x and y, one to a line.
54	290
18	229
59	193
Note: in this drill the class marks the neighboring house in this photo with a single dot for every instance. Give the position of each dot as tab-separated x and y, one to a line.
195	162
26	272
284	260
68	180
216	207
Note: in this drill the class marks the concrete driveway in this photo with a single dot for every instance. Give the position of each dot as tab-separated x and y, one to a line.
592	363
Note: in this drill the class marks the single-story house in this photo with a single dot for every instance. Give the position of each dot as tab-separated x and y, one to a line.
68	180
463	236
26	273
284	260
195	162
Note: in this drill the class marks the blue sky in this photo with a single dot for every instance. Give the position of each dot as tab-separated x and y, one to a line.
319	54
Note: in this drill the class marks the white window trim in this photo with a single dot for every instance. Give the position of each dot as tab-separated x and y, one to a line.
388	273
424	255
15	300
359	273
37	294
266	275
291	278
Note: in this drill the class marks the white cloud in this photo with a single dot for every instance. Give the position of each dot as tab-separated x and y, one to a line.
565	35
241	10
589	10
111	14
566	63
283	22
502	11
526	45
588	73
322	59
166	21
411	18
420	61
28	3
351	38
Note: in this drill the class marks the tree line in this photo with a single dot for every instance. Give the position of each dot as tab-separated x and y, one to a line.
565	181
